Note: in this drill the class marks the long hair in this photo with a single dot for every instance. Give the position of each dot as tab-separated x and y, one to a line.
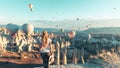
45	37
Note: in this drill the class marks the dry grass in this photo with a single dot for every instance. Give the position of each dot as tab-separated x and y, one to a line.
106	59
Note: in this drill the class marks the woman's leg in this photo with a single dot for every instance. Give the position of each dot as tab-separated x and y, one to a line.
45	58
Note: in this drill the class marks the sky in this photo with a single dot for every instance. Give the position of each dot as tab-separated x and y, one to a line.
18	12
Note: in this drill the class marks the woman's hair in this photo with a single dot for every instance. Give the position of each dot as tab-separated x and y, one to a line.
45	37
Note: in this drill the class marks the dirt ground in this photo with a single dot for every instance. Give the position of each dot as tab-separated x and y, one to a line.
33	60
19	60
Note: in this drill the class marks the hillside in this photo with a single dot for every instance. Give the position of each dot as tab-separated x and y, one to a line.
106	30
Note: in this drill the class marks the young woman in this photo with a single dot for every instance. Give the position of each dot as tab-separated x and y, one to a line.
45	49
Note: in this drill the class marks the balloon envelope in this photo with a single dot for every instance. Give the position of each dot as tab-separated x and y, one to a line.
89	36
84	36
62	30
12	28
30	6
78	19
27	28
71	34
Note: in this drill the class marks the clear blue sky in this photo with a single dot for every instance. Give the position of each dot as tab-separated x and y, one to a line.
18	10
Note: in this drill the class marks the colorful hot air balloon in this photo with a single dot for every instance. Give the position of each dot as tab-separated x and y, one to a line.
27	29
71	34
30	6
12	28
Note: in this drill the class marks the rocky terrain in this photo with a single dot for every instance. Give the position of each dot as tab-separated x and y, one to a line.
83	50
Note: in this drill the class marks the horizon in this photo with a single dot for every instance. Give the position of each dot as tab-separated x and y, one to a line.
73	24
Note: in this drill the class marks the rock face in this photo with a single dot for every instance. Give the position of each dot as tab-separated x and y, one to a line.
101	49
98	49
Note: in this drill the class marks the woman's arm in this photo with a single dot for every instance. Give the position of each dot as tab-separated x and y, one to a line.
40	46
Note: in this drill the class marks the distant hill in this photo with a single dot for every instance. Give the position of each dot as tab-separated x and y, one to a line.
105	30
36	29
54	30
2	25
42	29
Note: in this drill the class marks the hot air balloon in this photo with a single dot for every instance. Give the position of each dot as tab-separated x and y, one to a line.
77	19
84	36
89	36
12	28
62	30
114	8
27	29
56	25
87	26
71	34
30	6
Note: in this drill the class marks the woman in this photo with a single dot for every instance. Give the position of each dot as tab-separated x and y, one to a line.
45	49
